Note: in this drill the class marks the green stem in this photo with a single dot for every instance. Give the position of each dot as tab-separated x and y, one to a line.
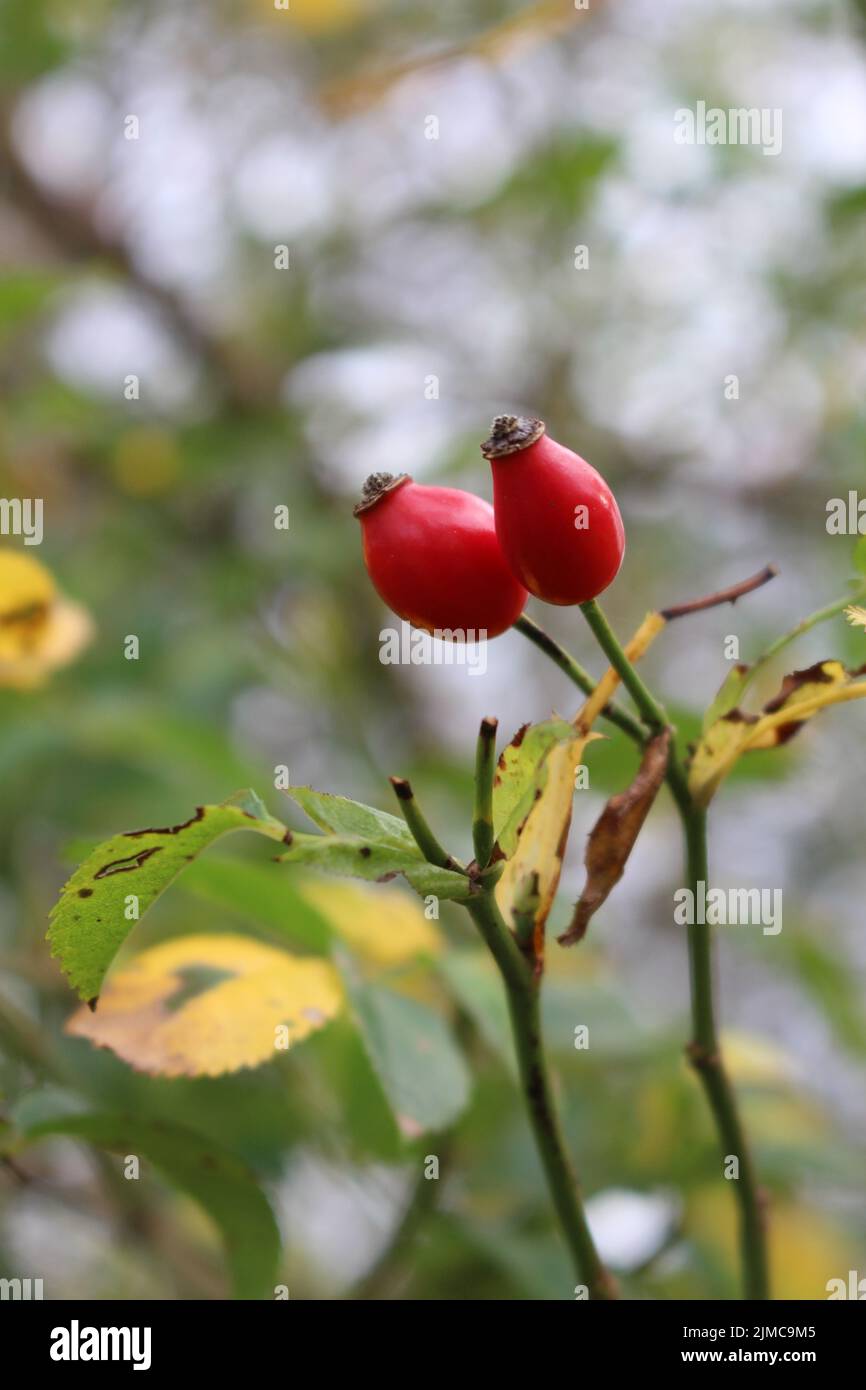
704	1051
649	709
819	616
612	712
522	988
705	1056
485	767
423	836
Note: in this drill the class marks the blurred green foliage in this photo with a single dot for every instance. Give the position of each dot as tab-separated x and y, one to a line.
259	647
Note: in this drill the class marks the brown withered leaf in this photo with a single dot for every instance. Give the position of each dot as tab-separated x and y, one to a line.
614	834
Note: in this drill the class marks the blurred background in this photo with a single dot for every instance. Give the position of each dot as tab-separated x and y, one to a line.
338	238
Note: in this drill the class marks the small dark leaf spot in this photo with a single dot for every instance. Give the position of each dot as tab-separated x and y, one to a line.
168	829
127	865
365	851
85	892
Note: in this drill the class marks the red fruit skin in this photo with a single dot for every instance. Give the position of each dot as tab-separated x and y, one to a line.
535	492
433	557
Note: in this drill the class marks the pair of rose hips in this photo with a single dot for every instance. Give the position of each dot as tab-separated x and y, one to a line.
447	561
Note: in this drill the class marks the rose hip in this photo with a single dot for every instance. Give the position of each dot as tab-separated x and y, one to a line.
433	556
556	518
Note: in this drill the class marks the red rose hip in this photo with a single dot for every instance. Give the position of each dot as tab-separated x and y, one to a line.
433	556
556	518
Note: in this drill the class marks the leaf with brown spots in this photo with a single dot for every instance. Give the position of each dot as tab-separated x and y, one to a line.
531	876
803	694
729	696
92	917
520	774
614	834
350	856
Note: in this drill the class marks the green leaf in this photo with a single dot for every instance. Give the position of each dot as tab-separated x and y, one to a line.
354	857
520	774
422	1072
89	922
339	816
218	1181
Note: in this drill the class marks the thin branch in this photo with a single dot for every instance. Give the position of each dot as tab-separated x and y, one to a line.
379	1281
612	712
20	1176
423	836
522	989
704	1054
821	615
485	767
729	595
704	1050
70	228
648	707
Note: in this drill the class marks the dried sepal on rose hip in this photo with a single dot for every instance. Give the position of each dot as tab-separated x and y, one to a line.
556	518
433	557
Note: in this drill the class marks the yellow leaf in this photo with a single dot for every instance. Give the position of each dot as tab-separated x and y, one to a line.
204	1005
25	585
384	926
802	695
717	752
531	876
528	885
39	630
318	16
642	640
